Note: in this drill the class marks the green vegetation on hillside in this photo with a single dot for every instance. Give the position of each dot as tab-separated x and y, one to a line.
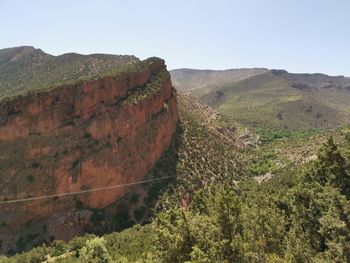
272	99
152	87
268	136
128	246
301	216
203	81
26	69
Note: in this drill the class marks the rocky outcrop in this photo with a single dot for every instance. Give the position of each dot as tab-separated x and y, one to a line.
103	132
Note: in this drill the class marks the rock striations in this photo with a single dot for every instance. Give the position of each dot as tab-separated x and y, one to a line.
101	132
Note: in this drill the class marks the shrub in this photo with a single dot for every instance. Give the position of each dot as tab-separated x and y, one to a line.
75	163
140	213
122	220
69	123
78	242
97	216
134	198
35	165
87	135
20	243
347	136
59	247
94	251
30	178
78	204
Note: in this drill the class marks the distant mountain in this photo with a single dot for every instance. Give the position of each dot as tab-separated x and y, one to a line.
25	69
264	98
201	81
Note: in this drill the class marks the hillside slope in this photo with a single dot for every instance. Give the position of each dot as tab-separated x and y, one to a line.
202	81
274	98
26	69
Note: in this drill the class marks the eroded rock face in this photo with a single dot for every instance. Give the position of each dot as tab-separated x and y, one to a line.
104	132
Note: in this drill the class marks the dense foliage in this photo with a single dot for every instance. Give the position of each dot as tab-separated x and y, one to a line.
305	218
127	246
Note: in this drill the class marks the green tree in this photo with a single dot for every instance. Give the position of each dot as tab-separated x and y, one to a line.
331	168
264	227
94	251
335	226
227	209
320	211
210	231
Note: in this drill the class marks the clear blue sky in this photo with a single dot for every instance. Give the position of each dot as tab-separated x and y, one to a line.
297	35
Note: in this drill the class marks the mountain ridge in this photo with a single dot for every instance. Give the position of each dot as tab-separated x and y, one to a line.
254	68
26	69
271	98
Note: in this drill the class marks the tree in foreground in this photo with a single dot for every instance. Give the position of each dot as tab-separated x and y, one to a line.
94	251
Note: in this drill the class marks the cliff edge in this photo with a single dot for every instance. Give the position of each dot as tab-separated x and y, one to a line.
101	132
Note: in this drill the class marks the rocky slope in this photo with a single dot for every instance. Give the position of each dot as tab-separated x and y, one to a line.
105	131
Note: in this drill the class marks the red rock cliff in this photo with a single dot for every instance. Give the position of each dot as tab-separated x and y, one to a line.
103	132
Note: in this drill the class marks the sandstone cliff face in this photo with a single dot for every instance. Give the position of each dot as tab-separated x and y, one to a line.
103	132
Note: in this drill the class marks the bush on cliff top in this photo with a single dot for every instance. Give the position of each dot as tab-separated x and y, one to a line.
152	87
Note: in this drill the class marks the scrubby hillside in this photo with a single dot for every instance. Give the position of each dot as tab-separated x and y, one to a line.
205	148
273	99
26	69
